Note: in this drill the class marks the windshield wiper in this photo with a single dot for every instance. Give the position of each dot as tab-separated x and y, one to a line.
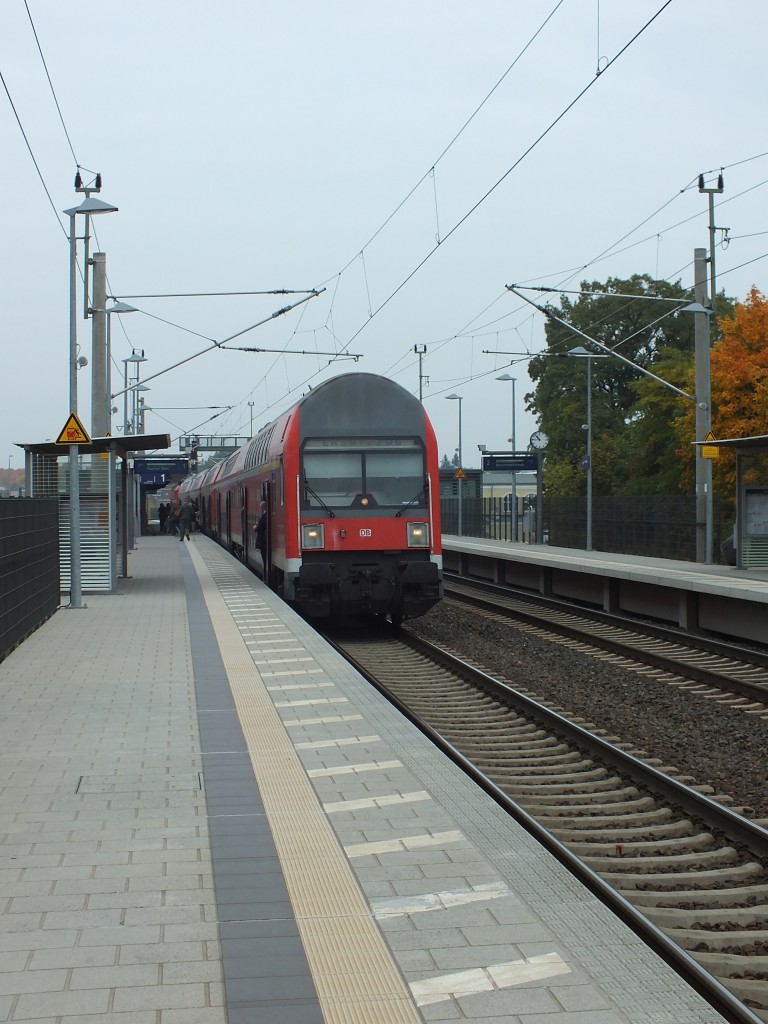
413	501
320	501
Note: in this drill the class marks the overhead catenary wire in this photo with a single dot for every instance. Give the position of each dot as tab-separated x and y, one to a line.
455	138
31	153
50	83
611	251
222	344
510	169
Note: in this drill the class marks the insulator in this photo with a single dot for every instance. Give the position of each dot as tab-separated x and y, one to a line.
701	183
78	180
98	183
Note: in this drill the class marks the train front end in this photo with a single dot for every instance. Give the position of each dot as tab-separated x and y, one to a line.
368	528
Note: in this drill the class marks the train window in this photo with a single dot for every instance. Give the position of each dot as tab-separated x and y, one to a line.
336	479
395	478
332	478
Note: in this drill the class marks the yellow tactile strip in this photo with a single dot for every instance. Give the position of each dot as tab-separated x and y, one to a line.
355	976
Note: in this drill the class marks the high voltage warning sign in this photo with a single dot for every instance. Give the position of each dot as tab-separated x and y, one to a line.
73	432
710	451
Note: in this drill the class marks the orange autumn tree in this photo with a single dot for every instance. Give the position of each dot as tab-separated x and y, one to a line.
739	385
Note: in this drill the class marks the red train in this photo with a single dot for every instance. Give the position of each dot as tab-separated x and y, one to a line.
350	479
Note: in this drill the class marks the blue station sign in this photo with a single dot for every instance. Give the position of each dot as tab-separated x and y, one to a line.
169	466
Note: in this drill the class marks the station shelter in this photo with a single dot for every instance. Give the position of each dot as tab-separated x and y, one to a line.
751	526
108	501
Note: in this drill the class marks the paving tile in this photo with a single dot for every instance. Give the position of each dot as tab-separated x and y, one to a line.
72	956
121	976
160	997
162	953
15	982
205	1015
62	1004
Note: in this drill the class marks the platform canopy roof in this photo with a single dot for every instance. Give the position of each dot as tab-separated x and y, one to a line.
123	445
743	445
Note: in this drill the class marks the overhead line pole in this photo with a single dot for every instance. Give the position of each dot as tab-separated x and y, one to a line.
704	501
711	193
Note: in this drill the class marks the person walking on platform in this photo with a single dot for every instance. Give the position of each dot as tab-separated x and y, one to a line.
162	513
186	519
260	530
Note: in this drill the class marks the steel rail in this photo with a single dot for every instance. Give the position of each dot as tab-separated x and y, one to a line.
747	833
623	646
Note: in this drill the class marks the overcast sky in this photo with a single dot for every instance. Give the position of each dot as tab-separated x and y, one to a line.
255	146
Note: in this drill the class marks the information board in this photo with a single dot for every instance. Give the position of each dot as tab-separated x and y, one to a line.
169	465
756	511
514	462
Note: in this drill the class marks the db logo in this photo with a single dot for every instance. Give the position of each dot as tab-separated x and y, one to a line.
366	533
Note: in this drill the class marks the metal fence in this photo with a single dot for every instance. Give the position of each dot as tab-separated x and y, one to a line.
653	527
29	567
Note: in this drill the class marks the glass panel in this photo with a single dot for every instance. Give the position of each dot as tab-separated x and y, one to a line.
332	478
395	478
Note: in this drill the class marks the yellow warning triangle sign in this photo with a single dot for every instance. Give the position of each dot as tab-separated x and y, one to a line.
459	474
73	432
710	437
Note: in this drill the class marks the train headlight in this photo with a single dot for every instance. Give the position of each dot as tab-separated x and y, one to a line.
418	535
312	535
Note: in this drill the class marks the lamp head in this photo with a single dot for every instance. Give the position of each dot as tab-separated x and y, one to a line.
91	207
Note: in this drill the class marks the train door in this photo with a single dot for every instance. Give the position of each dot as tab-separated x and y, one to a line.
244	531
228	521
267	495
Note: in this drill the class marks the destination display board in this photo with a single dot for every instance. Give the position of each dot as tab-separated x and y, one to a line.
169	465
513	462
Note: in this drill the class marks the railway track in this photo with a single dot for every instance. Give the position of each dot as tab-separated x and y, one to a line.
703	661
686	872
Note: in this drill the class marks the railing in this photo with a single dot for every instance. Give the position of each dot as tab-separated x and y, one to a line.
653	527
29	567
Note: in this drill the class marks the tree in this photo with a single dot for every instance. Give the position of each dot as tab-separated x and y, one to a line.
631	429
739	388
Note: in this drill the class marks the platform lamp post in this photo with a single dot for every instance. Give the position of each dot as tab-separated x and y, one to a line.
119	307
137	356
459	399
88	208
513	442
581	353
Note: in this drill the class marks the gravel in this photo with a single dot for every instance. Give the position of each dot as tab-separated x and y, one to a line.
717	745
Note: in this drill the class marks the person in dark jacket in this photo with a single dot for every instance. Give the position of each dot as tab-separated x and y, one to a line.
260	530
186	519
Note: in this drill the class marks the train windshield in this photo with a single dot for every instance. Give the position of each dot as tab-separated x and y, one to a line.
390	478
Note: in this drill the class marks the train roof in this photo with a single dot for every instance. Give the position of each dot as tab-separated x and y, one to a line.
355	401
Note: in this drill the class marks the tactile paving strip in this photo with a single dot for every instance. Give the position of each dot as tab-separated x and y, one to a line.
356	979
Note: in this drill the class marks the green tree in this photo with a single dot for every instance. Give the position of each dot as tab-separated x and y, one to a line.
634	435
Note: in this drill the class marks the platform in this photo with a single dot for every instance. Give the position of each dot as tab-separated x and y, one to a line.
693	596
208	817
